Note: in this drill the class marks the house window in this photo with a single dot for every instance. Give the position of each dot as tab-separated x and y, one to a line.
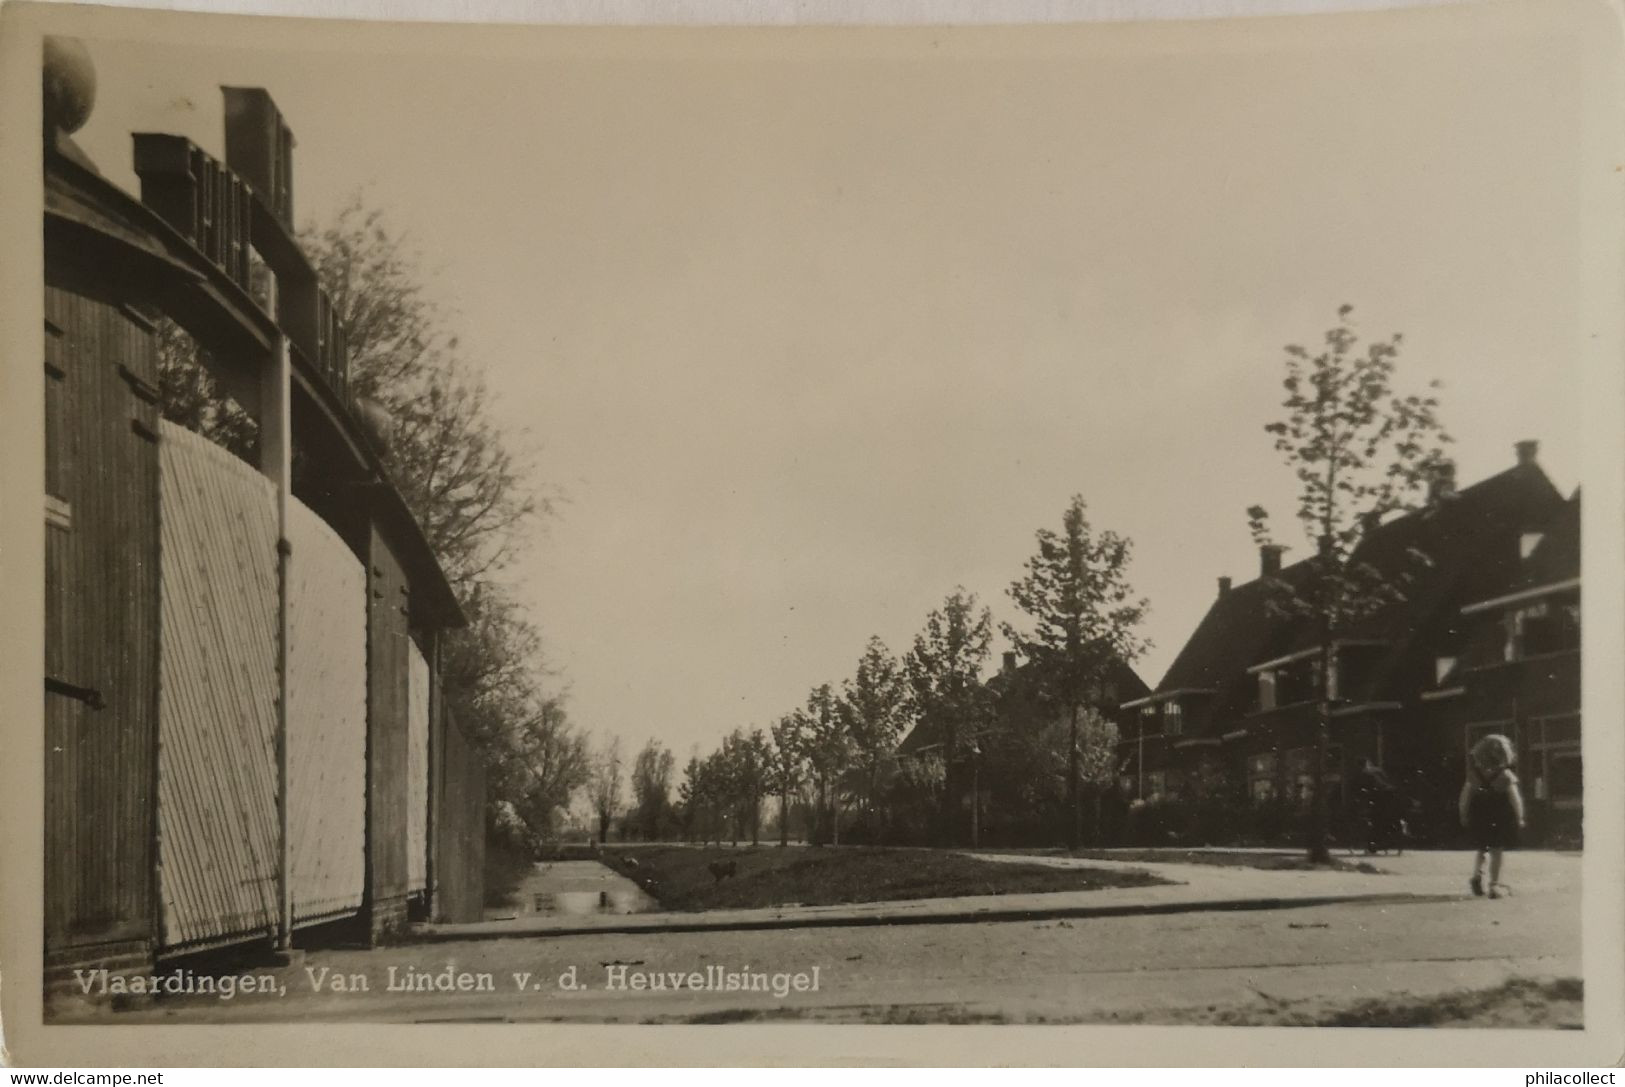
1173	719
1261	776
1149	725
1541	628
1300	774
1553	767
1266	690
1155	785
1442	667
1528	542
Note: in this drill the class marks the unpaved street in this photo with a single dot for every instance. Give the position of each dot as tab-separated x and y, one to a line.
1086	969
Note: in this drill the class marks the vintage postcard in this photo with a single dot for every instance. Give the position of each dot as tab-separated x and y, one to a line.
1016	538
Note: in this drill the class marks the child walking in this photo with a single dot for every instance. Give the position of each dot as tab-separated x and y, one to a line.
1491	809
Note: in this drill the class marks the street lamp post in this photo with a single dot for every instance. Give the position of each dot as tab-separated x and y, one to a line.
975	792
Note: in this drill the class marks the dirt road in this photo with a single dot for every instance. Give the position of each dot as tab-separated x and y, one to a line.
1153	968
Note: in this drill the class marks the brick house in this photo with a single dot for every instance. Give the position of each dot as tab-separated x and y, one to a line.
1236	713
1516	670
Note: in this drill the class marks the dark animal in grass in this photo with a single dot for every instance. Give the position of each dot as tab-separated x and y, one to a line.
721	870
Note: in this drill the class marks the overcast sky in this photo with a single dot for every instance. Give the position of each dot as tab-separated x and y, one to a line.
811	328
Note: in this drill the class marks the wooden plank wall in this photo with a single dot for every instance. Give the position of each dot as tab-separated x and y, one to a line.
101	608
218	835
417	770
327	719
388	641
459	827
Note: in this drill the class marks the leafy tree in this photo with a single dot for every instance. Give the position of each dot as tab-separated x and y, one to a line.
944	672
690	796
651	787
1083	616
1359	451
876	703
824	729
747	758
543	769
190	395
468	483
786	767
606	785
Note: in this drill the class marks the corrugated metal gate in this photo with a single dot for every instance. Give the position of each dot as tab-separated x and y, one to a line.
217	817
327	719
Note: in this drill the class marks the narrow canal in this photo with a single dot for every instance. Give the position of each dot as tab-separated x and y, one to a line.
572	888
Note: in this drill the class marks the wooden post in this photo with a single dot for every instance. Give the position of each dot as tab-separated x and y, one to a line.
276	462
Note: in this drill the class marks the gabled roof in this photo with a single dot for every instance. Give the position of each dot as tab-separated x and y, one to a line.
1556	558
1238	630
1464	538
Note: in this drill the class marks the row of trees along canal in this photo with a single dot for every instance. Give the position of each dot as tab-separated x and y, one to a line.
1026	748
1022	748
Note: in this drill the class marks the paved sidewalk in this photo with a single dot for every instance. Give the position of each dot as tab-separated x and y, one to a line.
1194	888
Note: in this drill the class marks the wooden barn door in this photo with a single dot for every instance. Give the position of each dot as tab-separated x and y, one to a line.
388	760
101	603
417	771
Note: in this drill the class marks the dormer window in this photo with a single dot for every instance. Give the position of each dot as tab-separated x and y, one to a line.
1528	542
1542	628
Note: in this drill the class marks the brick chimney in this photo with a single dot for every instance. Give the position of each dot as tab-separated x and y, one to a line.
1009	662
259	148
1224	587
1269	559
1442	484
1528	450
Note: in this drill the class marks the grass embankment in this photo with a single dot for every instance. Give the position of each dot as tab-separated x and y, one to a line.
679	878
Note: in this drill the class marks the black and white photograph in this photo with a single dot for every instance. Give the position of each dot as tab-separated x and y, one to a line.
971	525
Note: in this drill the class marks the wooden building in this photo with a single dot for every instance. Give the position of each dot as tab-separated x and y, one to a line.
244	730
